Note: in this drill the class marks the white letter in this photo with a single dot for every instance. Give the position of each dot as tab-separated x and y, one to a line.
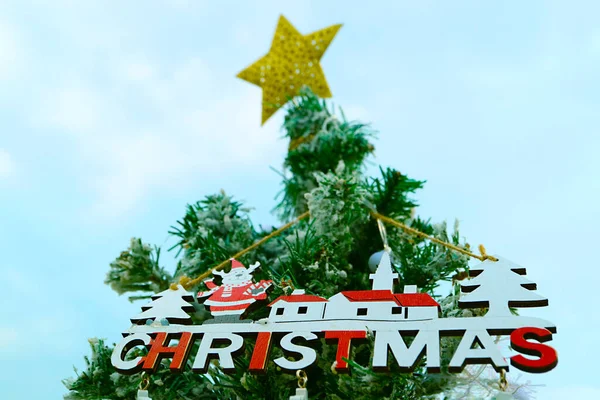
309	355
117	358
488	353
425	341
224	354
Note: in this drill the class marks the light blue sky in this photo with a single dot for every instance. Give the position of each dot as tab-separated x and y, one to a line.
115	114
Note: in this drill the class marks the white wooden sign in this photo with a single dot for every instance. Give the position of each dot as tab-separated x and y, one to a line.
344	319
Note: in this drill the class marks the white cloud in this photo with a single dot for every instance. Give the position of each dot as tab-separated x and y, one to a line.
7	165
171	126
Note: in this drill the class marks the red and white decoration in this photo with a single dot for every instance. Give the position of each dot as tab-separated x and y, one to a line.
230	301
344	319
297	307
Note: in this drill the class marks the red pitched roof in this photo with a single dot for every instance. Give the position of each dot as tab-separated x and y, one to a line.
402	299
299	298
369	295
416	300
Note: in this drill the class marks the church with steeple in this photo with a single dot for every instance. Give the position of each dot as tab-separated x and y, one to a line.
378	304
384	277
381	303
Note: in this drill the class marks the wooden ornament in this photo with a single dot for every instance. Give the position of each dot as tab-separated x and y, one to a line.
384	277
262	348
344	341
406	357
390	319
169	305
307	355
486	353
224	355
301	394
297	307
143	395
545	356
230	301
118	359
160	348
499	285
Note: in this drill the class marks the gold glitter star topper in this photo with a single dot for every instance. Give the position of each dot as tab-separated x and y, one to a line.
292	62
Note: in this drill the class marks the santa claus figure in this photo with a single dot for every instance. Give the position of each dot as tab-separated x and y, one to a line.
230	301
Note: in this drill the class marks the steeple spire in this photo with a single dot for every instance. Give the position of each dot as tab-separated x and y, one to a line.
384	276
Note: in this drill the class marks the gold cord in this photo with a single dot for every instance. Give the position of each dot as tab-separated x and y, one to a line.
503	381
295	143
415	232
188	283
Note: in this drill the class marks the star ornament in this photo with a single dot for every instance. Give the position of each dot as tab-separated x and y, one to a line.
291	63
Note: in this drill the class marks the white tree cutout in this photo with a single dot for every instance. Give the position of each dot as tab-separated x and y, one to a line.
499	285
172	305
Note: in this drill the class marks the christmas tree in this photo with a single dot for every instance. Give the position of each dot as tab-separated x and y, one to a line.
169	305
324	174
484	290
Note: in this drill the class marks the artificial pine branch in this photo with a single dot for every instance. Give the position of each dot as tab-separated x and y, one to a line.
137	269
319	140
390	193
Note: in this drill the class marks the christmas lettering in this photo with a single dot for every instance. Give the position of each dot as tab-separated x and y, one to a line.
386	343
299	319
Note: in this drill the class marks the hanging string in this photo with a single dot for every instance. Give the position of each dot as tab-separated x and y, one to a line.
142	393
188	283
296	142
301	392
144	381
420	234
383	234
302	378
503	381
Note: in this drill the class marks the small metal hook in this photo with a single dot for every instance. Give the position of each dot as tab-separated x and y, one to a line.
302	378
503	381
145	382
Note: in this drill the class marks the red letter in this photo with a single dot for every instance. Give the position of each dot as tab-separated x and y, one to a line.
159	350
343	350
261	352
547	355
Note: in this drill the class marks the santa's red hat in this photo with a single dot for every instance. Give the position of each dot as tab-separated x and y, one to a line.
236	264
